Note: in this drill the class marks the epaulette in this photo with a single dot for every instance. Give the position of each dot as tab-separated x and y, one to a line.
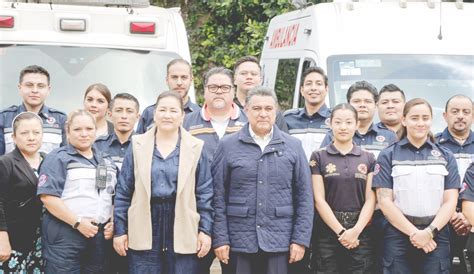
55	110
291	111
12	108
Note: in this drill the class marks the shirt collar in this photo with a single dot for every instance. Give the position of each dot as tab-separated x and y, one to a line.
446	135
268	136
405	142
114	138
44	111
237	102
189	105
356	150
235	112
323	111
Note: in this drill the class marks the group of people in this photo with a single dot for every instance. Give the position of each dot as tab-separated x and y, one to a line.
308	190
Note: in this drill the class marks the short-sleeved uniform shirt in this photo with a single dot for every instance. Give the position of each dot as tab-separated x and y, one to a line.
374	140
54	134
68	175
146	119
112	146
468	185
344	176
310	129
464	153
418	176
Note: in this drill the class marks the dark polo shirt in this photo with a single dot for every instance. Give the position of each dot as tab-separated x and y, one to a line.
345	176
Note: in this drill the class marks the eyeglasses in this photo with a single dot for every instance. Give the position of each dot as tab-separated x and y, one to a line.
215	88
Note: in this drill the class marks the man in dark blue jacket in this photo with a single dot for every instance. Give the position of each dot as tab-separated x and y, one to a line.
263	196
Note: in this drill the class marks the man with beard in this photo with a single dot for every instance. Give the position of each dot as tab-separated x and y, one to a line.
218	117
458	138
390	107
179	77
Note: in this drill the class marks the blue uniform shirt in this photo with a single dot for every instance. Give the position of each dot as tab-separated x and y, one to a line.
54	134
146	119
164	176
126	187
468	185
464	153
376	139
200	126
310	129
418	177
112	146
68	175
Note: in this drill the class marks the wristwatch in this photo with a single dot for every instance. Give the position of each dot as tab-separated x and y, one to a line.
77	223
434	230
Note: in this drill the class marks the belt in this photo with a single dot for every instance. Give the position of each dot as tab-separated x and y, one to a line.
100	226
347	217
161	200
421	221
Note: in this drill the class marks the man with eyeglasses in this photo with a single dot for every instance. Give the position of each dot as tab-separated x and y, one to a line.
218	117
34	87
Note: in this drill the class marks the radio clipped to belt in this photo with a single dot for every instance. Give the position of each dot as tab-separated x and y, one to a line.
104	179
101	175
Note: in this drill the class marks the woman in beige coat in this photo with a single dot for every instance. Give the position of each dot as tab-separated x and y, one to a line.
164	190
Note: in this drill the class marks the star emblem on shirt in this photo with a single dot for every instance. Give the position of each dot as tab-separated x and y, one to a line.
312	163
330	168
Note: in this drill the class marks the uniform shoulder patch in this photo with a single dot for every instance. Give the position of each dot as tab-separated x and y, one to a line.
42	179
376	169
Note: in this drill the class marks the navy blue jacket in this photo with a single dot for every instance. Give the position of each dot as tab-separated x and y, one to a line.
262	200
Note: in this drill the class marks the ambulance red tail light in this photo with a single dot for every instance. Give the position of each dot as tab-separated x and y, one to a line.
7	22
142	27
72	24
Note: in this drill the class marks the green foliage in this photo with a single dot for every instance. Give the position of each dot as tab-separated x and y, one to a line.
221	31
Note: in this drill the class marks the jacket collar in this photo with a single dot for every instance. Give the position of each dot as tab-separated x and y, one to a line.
25	168
244	135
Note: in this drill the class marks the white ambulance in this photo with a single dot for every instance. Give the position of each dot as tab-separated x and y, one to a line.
425	48
124	44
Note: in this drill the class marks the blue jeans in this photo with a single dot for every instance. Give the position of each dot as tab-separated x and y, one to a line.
66	250
401	257
162	259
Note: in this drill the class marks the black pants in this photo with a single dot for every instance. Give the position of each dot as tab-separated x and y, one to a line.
332	257
261	262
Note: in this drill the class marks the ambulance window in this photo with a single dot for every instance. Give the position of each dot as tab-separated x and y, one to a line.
285	82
